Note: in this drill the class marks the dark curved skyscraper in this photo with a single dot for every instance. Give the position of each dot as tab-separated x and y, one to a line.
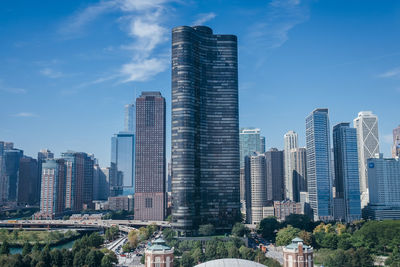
205	129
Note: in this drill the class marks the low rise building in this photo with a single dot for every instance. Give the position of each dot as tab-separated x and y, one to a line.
159	254
298	254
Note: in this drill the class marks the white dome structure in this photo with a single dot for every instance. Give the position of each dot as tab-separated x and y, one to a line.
230	263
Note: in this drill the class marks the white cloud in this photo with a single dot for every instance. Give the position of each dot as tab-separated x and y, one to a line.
142	21
25	115
11	90
48	72
203	18
281	16
394	73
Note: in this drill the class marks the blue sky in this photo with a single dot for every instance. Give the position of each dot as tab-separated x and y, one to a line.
68	67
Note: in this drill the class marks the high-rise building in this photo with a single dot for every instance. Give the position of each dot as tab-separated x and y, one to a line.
396	142
150	198
290	142
9	173
28	180
366	125
275	174
79	180
319	180
129	123
250	141
205	129
384	185
257	187
298	168
123	156
101	186
346	172
52	194
41	157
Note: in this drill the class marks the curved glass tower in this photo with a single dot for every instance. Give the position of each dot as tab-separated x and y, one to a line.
205	129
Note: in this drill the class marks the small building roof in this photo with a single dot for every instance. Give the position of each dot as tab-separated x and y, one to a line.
295	245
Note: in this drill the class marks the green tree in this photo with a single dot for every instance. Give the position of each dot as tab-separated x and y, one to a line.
80	257
285	235
233	251
56	257
93	258
168	234
197	255
187	260
68	258
45	255
206	230
5	248
240	230
133	239
330	241
344	241
26	249
211	250
95	240
301	221
268	227
307	237
394	259
246	253
222	252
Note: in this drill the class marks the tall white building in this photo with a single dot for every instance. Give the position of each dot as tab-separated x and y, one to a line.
366	125
298	171
290	142
256	166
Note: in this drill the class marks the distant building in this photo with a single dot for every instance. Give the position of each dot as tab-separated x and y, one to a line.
384	185
159	254
396	142
297	254
41	157
268	211
52	194
346	173
120	203
274	174
123	158
366	125
150	191
79	180
9	172
282	209
290	142
257	187
101	186
130	123
298	159
28	193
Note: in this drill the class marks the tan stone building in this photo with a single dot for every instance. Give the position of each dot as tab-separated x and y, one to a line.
298	254
159	254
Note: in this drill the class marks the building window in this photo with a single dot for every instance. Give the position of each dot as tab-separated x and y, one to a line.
149	203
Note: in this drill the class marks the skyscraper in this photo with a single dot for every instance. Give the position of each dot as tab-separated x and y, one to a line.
384	185
101	187
129	123
290	142
250	141
123	156
319	180
366	125
299	171
275	174
9	173
79	180
28	180
205	129
52	194
41	157
396	142
150	198
346	172
257	187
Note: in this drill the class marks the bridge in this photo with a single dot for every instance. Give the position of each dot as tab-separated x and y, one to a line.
124	225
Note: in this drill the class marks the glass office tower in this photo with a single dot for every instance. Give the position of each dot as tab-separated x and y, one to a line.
123	156
205	129
346	172
319	180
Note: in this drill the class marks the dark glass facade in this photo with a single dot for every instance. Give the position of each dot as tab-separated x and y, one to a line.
205	129
28	181
274	174
346	171
150	165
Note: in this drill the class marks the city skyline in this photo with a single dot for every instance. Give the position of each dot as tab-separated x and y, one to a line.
69	74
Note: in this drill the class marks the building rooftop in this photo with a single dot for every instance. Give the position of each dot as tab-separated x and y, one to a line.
295	245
